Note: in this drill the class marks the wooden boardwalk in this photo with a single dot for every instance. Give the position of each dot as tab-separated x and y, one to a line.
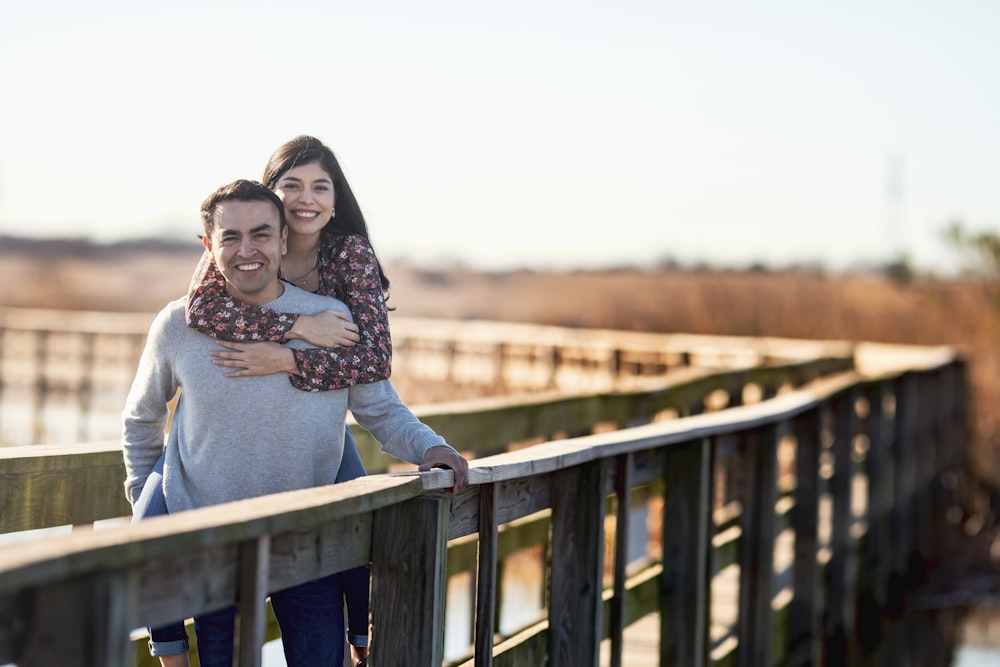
763	441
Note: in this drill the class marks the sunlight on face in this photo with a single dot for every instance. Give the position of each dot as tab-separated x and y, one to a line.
247	243
307	192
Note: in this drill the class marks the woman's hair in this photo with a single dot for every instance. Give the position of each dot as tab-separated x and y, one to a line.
304	150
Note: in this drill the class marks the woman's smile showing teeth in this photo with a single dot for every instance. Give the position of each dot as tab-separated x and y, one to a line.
308	195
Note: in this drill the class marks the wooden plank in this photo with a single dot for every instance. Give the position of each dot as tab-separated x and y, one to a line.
687	514
41	487
254	571
876	564
486	582
114	607
300	556
903	468
839	625
78	623
757	546
578	506
804	627
170	536
409	543
623	506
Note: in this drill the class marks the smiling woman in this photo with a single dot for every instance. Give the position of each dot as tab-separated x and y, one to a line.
309	198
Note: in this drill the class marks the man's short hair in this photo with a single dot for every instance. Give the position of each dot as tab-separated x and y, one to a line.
241	190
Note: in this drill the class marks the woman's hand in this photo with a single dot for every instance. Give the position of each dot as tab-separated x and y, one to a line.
255	359
330	328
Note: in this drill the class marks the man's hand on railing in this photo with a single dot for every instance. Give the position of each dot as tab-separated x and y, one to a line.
446	457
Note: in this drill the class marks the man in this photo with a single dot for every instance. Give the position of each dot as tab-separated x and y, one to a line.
236	438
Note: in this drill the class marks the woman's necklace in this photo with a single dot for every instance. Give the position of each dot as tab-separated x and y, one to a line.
301	280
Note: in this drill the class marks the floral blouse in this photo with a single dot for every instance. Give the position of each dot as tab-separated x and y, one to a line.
349	272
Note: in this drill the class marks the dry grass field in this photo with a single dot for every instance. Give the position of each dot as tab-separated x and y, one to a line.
142	277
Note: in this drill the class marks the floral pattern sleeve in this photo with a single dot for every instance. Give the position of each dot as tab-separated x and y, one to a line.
349	272
212	311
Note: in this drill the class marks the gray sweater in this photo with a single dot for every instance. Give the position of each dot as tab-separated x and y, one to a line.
236	438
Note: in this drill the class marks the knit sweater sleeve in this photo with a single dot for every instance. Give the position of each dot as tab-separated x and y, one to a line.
379	410
349	272
145	415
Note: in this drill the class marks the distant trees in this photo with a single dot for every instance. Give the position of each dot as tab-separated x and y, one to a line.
978	250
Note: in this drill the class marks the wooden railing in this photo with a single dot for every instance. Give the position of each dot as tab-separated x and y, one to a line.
64	375
789	514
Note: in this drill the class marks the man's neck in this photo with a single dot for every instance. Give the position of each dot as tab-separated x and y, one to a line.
261	298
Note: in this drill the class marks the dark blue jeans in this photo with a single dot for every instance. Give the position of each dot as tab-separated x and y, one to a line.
305	614
353	585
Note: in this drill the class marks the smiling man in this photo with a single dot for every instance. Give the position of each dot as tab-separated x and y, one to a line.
236	438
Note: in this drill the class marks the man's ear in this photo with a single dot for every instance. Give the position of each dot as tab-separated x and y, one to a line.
284	240
207	242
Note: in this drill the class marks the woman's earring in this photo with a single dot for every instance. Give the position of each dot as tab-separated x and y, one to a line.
333	212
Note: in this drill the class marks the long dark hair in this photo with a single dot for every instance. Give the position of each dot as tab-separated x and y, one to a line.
304	150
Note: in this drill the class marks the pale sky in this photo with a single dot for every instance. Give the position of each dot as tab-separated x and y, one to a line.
524	133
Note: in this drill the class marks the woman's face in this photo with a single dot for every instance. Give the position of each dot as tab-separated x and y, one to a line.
307	192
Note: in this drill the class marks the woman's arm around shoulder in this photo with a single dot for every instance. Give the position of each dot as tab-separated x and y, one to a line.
212	311
349	272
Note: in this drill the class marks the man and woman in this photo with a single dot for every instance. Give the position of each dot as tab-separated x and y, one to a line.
238	437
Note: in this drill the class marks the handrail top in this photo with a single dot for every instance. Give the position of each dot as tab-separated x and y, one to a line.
248	519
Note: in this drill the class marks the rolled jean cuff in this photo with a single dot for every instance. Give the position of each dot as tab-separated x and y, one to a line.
357	640
168	648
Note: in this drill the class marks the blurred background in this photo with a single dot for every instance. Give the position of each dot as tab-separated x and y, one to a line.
535	134
779	168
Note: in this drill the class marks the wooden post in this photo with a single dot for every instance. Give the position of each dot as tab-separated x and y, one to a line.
759	447
623	494
903	469
41	386
687	515
575	624
409	566
77	623
839	622
254	568
86	388
486	589
874	575
804	626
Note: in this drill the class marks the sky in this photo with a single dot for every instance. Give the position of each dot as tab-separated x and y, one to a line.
541	133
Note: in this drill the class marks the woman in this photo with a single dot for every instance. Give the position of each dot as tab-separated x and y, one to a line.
328	252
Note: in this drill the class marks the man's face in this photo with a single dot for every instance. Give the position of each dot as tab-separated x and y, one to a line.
247	243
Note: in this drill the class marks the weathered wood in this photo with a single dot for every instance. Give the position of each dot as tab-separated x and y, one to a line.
318	531
878	563
804	630
56	485
623	505
904	468
254	568
408	583
839	625
486	582
687	513
99	606
757	547
577	570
